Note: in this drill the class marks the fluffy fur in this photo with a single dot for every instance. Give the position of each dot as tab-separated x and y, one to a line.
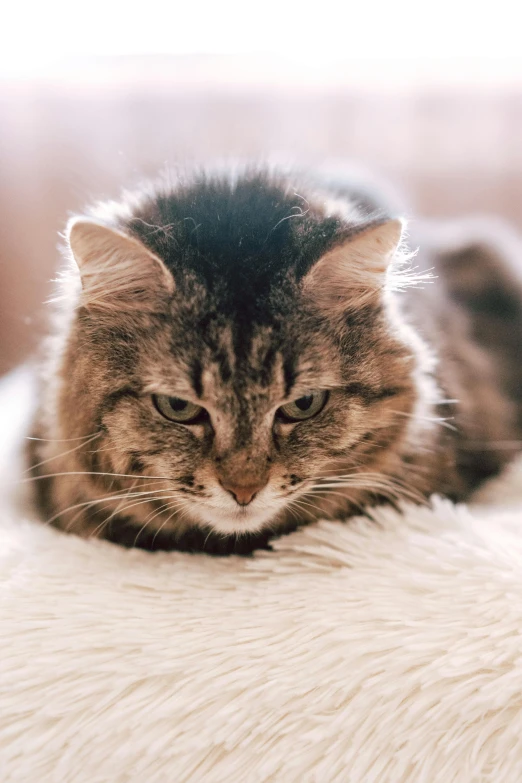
241	294
386	650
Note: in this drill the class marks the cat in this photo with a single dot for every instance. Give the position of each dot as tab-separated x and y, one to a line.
239	353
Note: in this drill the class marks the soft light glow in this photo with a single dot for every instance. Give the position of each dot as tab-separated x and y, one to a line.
37	36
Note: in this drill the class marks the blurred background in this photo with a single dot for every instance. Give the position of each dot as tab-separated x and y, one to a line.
96	97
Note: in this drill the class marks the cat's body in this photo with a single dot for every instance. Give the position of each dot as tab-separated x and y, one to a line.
238	353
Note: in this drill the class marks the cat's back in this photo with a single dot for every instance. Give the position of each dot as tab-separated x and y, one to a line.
472	315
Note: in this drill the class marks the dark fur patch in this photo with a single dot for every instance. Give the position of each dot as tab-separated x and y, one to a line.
136	465
126	533
242	256
195	377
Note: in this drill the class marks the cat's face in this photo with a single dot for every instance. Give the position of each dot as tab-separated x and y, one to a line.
234	403
239	438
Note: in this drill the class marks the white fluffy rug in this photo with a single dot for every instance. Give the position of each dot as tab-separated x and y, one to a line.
377	652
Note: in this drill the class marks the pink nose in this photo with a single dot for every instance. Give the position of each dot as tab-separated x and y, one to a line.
243	493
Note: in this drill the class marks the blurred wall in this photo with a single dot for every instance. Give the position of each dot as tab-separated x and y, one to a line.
64	144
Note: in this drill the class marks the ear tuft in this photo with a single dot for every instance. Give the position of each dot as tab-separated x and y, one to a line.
117	271
355	271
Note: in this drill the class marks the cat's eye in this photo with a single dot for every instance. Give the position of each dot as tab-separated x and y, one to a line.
304	407
176	409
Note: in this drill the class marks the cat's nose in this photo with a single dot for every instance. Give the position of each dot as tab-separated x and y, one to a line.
243	493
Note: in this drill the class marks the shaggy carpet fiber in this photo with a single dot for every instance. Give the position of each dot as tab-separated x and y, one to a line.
380	651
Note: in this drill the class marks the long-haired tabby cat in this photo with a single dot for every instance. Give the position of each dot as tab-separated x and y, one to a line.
237	354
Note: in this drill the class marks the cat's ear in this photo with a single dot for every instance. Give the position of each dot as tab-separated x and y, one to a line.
355	271
117	272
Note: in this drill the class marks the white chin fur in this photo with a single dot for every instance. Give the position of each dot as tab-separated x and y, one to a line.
238	520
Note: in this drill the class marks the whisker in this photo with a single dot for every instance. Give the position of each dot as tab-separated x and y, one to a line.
93	473
391	482
435	419
210	531
63	454
303	503
126	497
158	511
344	495
172	497
123	493
304	506
121	509
327	492
61	440
347	497
100	500
289	507
176	509
362	484
149	519
158	531
399	493
372	489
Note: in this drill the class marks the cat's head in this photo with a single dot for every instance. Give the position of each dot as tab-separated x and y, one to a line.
236	341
